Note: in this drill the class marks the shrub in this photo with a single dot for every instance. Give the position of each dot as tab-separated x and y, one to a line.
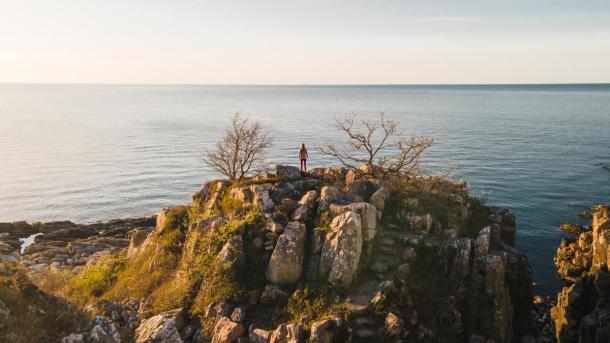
307	307
97	278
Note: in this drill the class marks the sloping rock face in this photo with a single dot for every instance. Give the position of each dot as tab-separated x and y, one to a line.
286	263
582	311
342	248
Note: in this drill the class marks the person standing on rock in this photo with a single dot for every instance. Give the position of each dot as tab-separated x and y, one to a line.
303	157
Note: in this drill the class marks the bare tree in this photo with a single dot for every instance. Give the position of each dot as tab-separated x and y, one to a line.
378	146
241	152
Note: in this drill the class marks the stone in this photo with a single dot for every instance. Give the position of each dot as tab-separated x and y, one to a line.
227	331
243	194
309	200
393	325
239	315
232	251
259	336
379	198
342	248
571	228
257	243
483	242
162	328
273	295
379	267
274	226
385	297
137	237
9	259
287	333
104	331
286	263
328	195
261	198
368	216
301	213
361	188
403	271
73	338
288	172
5	313
323	331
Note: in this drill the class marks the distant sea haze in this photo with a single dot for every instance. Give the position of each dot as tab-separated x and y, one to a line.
88	152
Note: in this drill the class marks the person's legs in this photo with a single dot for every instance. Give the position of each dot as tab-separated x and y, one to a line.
302	160
305	164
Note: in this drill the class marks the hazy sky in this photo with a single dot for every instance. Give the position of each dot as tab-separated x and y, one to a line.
304	42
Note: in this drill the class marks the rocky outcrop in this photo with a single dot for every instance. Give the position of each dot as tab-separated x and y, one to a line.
349	257
66	245
582	310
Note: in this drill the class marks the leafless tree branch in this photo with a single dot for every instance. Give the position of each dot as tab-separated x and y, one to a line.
378	146
241	151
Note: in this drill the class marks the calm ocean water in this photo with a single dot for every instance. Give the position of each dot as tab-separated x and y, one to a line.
87	153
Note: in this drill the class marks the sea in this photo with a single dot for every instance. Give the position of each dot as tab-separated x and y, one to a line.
96	152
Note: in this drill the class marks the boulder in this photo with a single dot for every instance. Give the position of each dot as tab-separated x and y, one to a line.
378	198
288	172
342	248
393	325
323	331
328	195
243	194
287	333
301	213
286	263
361	188
104	331
368	216
309	199
260	196
233	251
227	331
162	328
274	226
136	240
273	295
259	336
73	338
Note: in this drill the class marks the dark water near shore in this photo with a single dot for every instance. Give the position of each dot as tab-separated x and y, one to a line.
89	153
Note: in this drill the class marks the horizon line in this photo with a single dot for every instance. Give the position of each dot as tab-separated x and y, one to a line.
306	84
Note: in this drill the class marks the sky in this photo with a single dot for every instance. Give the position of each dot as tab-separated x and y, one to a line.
304	42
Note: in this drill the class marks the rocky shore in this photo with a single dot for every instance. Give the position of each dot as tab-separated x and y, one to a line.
582	311
64	244
324	256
